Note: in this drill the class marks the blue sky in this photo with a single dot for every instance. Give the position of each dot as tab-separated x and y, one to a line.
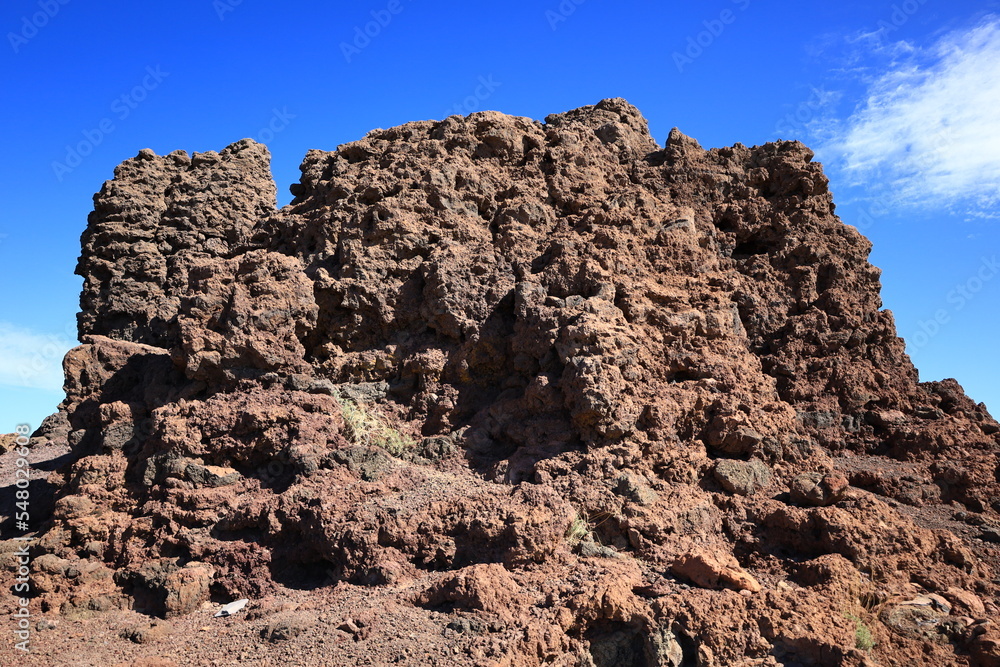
900	100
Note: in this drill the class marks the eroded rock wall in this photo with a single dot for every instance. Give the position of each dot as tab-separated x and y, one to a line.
659	366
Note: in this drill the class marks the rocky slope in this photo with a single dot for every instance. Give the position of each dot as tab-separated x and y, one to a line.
492	391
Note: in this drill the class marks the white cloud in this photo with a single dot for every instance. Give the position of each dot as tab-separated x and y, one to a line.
929	125
31	359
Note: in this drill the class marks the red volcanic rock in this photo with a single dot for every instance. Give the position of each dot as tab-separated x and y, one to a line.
391	412
488	588
714	571
814	488
156	216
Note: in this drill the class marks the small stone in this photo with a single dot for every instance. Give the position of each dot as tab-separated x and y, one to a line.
931	600
181	589
913	621
635	488
965	600
73	507
349	627
714	570
817	489
591	549
368	463
146	634
187	588
211	476
743	477
286	625
886	418
990	534
7	442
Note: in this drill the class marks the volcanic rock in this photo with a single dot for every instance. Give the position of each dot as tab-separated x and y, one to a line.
714	571
393	398
968	601
813	488
743	477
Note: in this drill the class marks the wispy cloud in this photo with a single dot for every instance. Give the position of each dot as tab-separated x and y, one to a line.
928	127
31	359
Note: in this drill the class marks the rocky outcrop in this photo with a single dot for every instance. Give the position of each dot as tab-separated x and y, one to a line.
468	347
158	217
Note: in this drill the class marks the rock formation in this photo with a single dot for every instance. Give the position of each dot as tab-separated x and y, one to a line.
577	398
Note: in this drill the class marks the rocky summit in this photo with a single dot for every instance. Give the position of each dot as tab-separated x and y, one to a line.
493	391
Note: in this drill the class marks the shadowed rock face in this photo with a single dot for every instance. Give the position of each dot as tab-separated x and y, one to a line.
565	320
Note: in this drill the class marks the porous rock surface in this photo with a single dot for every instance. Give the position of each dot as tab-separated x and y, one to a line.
652	408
